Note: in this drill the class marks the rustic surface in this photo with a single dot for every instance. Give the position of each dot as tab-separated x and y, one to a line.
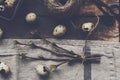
108	69
107	30
18	28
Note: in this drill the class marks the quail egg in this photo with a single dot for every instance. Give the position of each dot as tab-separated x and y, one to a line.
2	8
59	30
9	3
42	70
4	69
31	17
86	27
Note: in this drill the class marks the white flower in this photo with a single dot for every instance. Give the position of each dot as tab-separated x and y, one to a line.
41	70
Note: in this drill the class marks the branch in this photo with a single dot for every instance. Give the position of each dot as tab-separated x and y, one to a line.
32	45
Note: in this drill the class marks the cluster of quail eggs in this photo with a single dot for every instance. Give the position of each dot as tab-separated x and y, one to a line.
4	69
6	3
60	30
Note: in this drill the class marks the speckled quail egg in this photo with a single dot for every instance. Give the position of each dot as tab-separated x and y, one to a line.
31	17
2	8
9	3
86	27
4	69
1	32
59	30
42	70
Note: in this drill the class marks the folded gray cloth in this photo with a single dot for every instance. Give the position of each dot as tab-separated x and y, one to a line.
108	69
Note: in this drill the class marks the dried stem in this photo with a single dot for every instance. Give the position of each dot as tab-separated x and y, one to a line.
91	59
75	27
55	45
6	55
86	40
48	50
62	63
45	59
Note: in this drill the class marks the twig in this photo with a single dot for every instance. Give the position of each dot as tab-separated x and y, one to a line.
62	63
55	45
86	40
6	55
31	44
91	59
74	25
45	59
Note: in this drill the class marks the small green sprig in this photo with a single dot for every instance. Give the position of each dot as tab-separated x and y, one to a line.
34	32
32	45
53	68
58	47
22	55
54	44
71	56
15	42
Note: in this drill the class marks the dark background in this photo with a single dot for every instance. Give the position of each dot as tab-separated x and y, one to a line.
18	28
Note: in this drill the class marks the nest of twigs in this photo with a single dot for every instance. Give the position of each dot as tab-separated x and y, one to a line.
62	7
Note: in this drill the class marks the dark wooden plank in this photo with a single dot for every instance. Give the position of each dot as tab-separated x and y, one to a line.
18	28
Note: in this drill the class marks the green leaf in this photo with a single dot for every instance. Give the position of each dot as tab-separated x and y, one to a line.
30	43
15	42
33	32
53	68
21	55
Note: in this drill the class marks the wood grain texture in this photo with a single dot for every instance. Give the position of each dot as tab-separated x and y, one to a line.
92	8
108	34
18	28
